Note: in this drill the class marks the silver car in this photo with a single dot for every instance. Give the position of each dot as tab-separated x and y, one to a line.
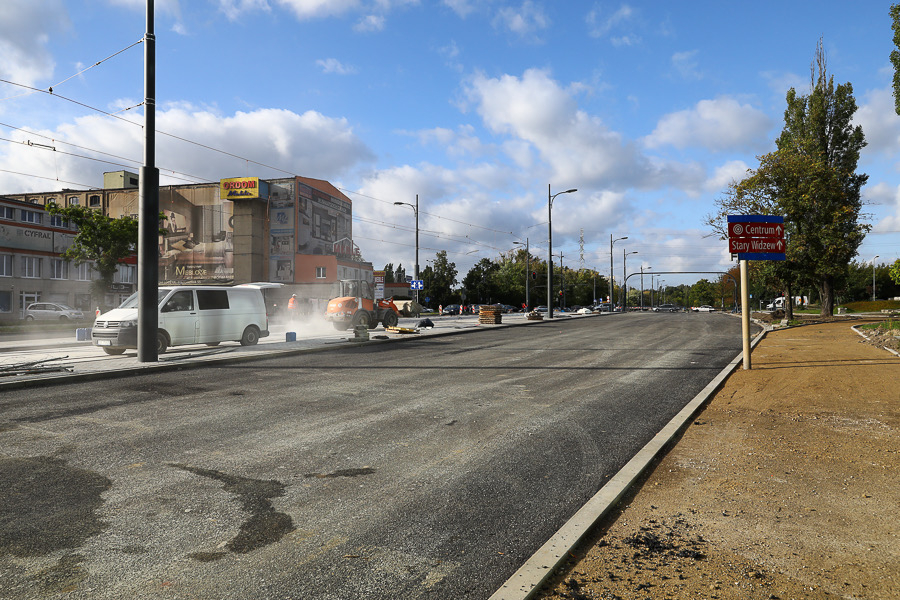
52	311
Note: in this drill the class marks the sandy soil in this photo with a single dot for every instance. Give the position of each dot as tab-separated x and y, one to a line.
787	485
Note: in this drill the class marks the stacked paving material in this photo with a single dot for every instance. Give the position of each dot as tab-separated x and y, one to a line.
489	315
534	316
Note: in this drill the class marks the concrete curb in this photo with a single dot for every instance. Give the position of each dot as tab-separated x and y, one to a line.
527	581
864	336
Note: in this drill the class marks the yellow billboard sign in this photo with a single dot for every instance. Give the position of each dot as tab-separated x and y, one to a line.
239	188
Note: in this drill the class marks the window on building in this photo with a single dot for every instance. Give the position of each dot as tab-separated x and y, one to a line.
72	201
7	212
59	269
84	272
6	265
320	272
34	200
5	302
30	216
94	201
124	274
31	267
57	221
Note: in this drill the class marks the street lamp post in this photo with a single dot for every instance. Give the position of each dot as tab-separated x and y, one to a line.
550	247
625	279
873	275
416	210
527	273
612	298
642	286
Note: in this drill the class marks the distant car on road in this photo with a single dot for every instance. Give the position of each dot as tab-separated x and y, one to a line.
704	308
52	311
541	309
665	308
451	309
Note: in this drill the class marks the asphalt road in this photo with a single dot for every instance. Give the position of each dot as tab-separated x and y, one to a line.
429	468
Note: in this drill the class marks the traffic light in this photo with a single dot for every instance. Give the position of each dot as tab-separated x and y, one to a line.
534	274
560	293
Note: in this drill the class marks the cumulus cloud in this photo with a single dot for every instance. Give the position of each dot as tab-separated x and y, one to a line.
25	30
734	170
577	146
717	125
309	144
879	122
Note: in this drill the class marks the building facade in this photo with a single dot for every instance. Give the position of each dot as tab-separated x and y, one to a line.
296	231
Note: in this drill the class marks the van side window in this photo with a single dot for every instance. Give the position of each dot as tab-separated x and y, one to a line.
212	299
180	301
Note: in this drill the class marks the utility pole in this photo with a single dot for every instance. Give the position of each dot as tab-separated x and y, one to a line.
148	211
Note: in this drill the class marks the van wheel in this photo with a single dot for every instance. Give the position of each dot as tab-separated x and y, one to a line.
64	318
114	351
250	337
29	318
390	319
162	343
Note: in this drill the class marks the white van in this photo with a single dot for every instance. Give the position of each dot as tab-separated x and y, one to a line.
188	314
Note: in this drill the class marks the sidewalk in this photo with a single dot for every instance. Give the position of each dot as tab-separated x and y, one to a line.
787	485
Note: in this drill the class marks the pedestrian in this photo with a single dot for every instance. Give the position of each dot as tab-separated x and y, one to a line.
292	307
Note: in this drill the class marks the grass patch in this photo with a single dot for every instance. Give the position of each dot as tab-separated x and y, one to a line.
889	325
870	306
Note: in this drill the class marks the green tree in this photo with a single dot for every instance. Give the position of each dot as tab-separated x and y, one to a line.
811	180
442	279
102	241
389	273
479	282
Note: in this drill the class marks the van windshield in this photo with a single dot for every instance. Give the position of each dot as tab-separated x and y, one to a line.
133	300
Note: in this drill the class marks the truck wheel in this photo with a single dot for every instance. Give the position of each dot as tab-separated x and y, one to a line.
390	319
361	318
162	343
250	337
114	351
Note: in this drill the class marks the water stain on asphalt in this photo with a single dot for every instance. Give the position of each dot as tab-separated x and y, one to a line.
63	577
342	473
265	525
47	505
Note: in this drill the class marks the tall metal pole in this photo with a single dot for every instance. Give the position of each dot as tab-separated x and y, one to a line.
148	216
417	245
876	257
611	288
550	247
549	254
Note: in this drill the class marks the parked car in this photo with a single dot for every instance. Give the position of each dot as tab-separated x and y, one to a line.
52	311
704	308
541	309
665	308
451	309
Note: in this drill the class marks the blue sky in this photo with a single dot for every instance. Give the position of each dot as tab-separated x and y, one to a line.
649	109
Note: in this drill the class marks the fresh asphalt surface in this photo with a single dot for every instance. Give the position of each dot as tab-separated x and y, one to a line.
428	468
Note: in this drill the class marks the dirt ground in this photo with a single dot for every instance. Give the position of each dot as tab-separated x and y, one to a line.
787	485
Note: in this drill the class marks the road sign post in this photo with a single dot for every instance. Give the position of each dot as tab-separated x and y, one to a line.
753	237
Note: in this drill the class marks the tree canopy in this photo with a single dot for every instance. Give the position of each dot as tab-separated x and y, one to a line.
811	180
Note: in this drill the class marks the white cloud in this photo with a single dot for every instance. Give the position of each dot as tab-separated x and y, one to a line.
463	8
309	9
309	144
685	64
333	65
525	20
578	147
880	124
370	23
734	170
25	30
600	25
233	9
717	125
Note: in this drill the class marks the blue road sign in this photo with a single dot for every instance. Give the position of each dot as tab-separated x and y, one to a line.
417	284
760	256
